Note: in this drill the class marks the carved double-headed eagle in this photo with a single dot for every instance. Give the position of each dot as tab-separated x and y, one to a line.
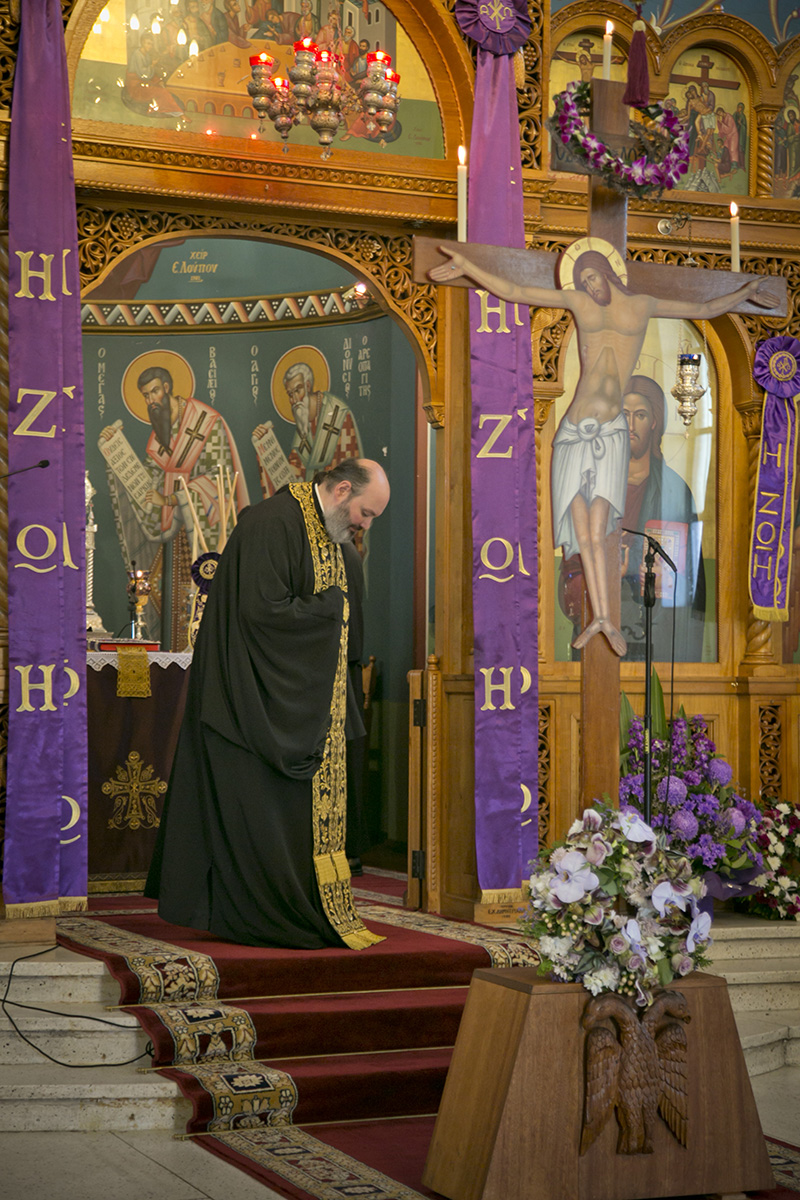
636	1066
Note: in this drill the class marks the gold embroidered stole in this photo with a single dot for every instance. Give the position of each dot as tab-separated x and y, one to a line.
330	782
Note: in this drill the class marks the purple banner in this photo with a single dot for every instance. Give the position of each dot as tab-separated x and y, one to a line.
504	522
46	842
777	370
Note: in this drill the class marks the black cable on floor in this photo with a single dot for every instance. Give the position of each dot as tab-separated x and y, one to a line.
147	1052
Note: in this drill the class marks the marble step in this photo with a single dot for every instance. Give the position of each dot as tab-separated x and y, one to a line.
742	937
761	984
72	1033
770	1040
47	1097
59	975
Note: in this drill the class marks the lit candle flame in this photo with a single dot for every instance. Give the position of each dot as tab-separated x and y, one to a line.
462	155
609	27
734	208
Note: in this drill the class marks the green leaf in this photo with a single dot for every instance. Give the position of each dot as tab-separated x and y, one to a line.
657	710
665	974
626	715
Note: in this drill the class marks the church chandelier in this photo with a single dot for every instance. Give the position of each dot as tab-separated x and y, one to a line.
316	92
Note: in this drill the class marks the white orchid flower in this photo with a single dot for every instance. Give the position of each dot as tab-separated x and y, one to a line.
573	878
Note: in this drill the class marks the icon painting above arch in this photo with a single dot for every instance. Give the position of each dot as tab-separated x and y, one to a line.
707	90
184	65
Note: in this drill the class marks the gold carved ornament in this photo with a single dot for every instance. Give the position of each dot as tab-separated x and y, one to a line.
385	259
135	792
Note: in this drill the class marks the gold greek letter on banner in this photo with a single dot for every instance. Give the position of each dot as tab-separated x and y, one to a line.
330	782
487	449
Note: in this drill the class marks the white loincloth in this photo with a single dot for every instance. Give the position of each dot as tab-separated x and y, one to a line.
590	460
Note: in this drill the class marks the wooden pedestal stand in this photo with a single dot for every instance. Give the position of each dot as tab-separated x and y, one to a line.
28	932
509	1127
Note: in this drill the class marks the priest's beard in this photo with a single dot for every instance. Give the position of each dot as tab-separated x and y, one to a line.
337	523
161	420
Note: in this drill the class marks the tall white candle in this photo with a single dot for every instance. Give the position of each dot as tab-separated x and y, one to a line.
461	171
736	263
607	36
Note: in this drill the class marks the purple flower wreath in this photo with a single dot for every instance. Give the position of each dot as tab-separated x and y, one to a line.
659	146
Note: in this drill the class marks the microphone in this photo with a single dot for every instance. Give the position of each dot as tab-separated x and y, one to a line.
654	545
43	462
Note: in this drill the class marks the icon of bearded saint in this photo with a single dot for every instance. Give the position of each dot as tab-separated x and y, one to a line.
189	440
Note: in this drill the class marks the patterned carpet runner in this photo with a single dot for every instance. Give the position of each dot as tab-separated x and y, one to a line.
355	1047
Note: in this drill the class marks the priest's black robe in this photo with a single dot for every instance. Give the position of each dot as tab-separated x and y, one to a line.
235	851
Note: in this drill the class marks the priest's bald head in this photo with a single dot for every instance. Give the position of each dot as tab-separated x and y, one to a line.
352	494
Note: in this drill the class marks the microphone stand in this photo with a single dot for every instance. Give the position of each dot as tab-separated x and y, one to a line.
649	599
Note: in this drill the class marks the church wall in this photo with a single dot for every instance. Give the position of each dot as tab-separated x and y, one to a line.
362	209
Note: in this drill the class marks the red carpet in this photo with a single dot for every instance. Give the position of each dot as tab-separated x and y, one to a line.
263	1040
317	1073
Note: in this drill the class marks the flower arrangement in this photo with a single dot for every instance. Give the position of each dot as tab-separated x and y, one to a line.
695	805
779	842
659	152
614	908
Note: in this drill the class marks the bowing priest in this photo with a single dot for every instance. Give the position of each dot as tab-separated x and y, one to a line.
252	839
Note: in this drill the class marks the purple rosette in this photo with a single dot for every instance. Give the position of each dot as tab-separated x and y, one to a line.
204	569
500	28
777	366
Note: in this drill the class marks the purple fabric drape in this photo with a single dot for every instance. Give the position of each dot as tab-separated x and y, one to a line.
46	843
777	370
505	566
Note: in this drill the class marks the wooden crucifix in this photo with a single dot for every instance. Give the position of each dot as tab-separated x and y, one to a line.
611	319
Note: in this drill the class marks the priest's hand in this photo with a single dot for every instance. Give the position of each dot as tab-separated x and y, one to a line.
154	497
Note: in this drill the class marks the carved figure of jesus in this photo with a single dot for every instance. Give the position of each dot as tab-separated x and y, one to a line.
591	446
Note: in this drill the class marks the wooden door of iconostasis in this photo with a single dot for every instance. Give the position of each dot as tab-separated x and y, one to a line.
295	372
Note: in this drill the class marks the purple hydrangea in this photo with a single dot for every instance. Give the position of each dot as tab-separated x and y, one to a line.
684	824
720	772
731	823
676	794
692	778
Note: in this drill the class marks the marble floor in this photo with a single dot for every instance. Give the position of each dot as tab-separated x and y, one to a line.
153	1166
